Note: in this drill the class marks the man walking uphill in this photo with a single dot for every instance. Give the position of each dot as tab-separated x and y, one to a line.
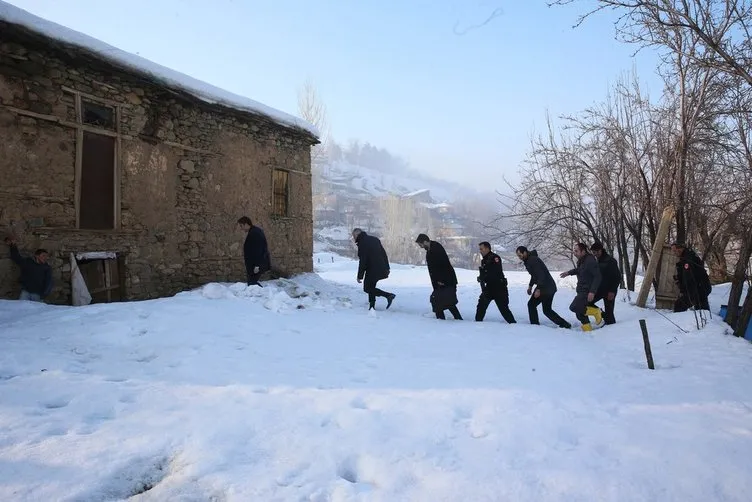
610	280
36	274
588	281
493	285
255	251
443	278
545	288
373	266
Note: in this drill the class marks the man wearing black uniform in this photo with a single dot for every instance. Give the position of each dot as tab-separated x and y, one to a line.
493	285
255	251
545	288
610	281
692	278
373	266
443	278
588	281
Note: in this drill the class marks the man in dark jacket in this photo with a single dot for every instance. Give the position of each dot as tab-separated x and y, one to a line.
493	285
36	273
545	288
588	281
373	266
692	279
443	278
610	281
255	251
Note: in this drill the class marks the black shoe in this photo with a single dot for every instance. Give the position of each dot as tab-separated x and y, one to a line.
389	300
371	306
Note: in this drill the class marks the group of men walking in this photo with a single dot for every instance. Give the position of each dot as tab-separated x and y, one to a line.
598	278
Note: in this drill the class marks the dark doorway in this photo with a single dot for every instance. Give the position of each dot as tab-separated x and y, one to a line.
97	204
105	279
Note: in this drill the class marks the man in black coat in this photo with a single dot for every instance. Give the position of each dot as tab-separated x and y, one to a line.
588	281
545	288
692	279
610	281
493	285
373	266
443	278
255	251
36	273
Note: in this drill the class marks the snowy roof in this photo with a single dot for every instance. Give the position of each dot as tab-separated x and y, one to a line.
417	192
161	74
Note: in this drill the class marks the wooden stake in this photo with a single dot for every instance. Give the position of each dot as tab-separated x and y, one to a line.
646	342
655	255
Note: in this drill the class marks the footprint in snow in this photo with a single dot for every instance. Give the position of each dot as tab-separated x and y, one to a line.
146	358
359	403
57	403
116	379
350	472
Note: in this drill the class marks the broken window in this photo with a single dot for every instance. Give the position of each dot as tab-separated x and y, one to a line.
97	202
97	115
280	193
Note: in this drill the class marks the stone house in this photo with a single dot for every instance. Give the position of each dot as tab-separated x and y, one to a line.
135	174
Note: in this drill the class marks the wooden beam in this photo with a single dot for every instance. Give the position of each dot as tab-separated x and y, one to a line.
78	161
655	255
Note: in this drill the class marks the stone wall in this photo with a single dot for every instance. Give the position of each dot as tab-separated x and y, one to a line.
187	171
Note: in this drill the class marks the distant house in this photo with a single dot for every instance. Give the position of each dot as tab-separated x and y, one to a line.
136	174
423	196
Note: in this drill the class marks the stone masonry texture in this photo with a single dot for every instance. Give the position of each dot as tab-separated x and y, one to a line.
187	170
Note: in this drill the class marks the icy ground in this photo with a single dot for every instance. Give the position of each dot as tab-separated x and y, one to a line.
294	392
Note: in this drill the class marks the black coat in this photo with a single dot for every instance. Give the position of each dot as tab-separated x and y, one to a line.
491	278
539	274
35	277
439	267
610	274
691	275
374	263
256	251
588	274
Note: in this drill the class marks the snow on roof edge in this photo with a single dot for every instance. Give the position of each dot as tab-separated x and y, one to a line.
166	76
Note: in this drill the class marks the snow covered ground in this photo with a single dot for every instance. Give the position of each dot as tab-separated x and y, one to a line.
294	392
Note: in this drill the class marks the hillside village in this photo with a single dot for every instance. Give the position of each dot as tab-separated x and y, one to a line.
396	208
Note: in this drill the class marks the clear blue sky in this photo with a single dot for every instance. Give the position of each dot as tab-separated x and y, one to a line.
391	72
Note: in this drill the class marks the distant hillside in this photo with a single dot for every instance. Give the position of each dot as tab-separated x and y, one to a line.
396	207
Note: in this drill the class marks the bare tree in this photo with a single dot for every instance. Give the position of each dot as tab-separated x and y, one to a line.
313	109
723	28
707	54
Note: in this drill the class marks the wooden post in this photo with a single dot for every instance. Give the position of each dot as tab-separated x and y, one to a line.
646	342
655	255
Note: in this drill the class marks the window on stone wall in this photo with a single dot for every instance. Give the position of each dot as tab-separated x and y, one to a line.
280	192
97	115
97	203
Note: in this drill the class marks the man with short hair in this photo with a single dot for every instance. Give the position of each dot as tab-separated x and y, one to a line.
610	281
373	266
493	285
443	278
545	288
36	273
588	281
692	279
255	251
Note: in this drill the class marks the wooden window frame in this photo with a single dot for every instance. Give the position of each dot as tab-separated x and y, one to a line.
80	127
287	194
